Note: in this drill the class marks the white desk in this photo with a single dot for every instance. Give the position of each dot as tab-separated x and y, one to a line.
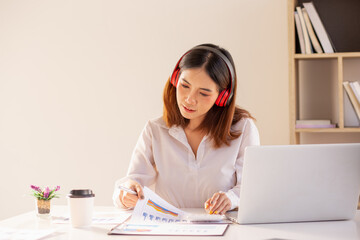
344	230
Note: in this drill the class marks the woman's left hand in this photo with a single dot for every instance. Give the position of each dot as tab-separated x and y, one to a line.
219	203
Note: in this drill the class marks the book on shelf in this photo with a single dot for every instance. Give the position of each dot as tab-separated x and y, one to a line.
299	32
319	27
304	30
355	86
312	123
341	20
314	41
350	117
355	103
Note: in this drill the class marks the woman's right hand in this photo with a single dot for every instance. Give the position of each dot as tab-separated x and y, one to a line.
127	199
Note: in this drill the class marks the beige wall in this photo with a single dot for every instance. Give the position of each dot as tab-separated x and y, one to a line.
79	79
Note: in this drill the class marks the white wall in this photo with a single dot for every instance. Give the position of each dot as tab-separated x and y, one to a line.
79	79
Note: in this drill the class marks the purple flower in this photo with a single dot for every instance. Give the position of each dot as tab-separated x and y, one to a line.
46	192
36	188
57	188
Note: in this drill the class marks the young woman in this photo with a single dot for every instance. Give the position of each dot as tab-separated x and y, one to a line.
194	152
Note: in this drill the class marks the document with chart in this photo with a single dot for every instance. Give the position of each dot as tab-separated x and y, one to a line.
154	216
155	209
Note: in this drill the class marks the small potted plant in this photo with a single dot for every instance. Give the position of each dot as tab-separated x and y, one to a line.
43	197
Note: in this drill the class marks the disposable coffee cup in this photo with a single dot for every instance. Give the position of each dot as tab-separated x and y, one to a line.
81	205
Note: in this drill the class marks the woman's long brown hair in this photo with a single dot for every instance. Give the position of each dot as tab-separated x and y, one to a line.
218	120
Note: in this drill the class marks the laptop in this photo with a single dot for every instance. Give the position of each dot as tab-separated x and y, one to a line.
297	183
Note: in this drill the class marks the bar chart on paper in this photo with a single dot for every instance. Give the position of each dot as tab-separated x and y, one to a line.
155	209
160	209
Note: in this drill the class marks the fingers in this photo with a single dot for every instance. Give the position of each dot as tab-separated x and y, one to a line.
219	203
214	199
133	185
212	202
207	204
224	208
129	200
139	190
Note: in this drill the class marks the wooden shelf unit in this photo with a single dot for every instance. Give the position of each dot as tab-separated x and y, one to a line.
336	64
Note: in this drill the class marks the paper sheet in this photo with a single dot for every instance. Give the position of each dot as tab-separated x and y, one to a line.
172	229
23	234
100	219
155	209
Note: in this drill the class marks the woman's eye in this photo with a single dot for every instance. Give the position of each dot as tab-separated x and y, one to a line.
203	94
184	86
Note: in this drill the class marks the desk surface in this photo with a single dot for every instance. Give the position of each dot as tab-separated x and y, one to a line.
344	230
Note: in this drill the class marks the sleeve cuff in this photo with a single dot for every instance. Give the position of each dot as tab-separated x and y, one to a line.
116	194
233	198
116	199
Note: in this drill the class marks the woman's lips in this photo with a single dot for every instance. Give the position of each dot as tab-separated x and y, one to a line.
188	109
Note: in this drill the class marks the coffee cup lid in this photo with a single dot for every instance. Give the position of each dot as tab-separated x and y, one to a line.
81	193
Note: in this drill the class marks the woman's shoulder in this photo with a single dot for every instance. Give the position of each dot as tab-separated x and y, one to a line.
154	126
249	131
157	123
243	123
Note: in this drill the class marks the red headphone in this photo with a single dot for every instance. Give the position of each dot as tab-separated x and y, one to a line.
226	95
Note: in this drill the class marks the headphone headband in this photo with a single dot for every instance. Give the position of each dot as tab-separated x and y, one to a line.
226	95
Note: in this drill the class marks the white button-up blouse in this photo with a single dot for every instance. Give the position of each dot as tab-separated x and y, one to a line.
163	157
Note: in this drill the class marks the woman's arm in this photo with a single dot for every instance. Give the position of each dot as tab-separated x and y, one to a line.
141	170
250	138
221	202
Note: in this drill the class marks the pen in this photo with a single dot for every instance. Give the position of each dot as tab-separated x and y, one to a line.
127	190
232	219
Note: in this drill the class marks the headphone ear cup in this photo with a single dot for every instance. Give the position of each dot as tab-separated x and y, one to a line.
175	77
221	101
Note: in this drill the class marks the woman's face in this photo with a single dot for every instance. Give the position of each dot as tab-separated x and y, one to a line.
196	93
